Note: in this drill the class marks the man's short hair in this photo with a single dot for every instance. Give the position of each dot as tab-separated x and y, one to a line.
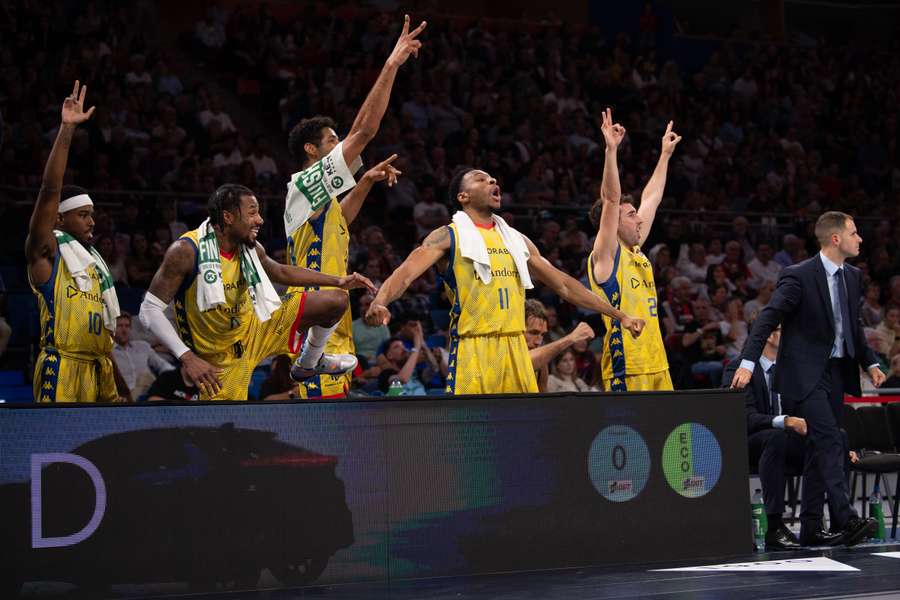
456	183
308	131
597	208
679	281
535	308
70	191
830	222
124	315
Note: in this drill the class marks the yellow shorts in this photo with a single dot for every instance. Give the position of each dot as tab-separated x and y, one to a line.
490	364
71	378
329	387
645	382
260	341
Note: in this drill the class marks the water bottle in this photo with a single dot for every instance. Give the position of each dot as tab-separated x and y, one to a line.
876	511
760	521
396	388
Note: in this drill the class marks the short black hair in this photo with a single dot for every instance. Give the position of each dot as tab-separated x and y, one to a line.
456	183
308	131
226	197
70	191
596	209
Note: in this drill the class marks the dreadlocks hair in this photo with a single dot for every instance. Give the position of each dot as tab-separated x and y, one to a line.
308	131
226	198
456	183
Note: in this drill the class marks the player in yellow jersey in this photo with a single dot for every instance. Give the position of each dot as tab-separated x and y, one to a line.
621	274
75	302
488	351
322	242
219	347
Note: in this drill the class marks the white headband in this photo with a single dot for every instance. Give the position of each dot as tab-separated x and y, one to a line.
75	202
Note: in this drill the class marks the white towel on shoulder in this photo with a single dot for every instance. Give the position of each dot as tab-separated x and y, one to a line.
78	259
472	246
211	289
310	189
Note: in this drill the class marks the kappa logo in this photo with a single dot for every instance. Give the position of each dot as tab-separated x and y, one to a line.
210	276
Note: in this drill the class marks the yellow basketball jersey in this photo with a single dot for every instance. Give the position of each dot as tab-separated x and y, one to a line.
221	328
72	320
323	244
631	289
495	308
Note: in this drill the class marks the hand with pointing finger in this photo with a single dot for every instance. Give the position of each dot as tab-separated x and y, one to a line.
670	140
384	171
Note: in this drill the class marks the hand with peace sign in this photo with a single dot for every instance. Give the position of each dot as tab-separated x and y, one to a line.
73	107
670	139
613	133
407	43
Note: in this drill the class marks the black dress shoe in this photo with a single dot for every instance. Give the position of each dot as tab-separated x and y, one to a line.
857	530
781	538
823	538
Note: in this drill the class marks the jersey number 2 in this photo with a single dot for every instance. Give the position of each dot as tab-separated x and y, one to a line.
651	303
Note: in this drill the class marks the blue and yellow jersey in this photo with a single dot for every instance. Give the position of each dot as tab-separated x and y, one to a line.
218	329
323	244
72	320
632	289
495	308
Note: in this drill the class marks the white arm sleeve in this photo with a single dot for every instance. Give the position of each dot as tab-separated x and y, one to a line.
152	318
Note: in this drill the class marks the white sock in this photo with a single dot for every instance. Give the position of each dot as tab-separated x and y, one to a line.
316	338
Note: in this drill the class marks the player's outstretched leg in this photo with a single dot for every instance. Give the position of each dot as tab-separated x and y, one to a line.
322	312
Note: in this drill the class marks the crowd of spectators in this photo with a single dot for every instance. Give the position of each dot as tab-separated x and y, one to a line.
772	134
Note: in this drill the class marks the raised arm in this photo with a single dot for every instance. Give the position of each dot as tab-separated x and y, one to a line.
542	355
653	191
607	239
368	119
301	277
570	289
433	249
40	245
353	201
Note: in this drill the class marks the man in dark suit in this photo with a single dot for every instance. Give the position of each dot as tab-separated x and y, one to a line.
775	442
822	348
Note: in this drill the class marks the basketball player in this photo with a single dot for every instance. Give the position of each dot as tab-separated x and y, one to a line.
620	273
75	294
220	347
488	351
322	242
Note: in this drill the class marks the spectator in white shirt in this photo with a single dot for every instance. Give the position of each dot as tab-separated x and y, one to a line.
429	214
136	360
752	308
762	267
215	113
263	164
693	263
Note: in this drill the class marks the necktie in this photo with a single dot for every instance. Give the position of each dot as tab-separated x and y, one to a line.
844	303
774	409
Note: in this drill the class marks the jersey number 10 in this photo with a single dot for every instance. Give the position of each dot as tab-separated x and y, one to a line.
95	323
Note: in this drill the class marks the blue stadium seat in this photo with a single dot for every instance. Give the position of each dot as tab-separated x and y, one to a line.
436	340
16	393
11	378
256	380
440	319
22	315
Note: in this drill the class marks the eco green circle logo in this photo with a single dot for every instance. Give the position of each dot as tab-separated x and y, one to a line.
692	460
337	182
210	276
619	463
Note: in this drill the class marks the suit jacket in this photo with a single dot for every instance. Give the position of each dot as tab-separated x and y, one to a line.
802	305
756	398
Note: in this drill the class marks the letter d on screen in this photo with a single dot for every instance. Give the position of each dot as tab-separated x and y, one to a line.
37	462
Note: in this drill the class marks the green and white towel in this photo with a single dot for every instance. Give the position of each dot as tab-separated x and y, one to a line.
78	259
210	289
310	189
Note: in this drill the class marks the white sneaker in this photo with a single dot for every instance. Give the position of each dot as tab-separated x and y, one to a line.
329	364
